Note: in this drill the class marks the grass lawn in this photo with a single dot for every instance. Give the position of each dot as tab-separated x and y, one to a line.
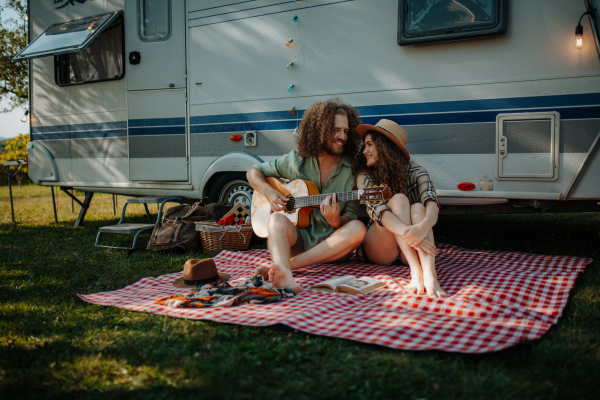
52	345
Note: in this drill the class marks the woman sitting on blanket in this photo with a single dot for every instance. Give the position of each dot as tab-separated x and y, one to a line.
400	230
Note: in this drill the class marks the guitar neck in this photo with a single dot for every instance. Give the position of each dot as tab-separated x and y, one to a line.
317	199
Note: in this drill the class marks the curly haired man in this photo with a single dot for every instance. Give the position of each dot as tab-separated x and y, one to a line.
327	144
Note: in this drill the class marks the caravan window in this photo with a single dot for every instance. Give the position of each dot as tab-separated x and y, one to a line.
154	20
102	60
432	21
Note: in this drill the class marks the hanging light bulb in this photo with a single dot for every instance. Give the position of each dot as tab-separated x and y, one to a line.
290	66
579	43
296	18
289	42
291	88
24	117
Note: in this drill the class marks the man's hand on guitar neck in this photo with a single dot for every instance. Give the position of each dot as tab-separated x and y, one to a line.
330	209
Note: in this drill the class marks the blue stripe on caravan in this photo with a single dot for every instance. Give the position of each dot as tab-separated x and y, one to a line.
165	130
50	136
156	122
402	119
249	117
577	106
250	126
459	111
81	135
80	127
477	116
99	134
514	103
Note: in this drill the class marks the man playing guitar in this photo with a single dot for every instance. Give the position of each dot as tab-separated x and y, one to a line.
327	143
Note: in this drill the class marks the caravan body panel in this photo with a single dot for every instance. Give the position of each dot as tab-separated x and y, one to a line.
225	69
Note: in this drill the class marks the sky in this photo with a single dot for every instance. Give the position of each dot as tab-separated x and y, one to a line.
10	123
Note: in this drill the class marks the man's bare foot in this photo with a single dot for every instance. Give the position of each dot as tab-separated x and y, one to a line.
433	288
282	278
263	271
416	285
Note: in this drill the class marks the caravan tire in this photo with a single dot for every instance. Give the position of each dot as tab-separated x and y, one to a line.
231	187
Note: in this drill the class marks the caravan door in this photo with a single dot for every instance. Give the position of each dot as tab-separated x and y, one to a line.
156	90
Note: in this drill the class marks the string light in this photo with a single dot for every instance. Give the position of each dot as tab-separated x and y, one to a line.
579	42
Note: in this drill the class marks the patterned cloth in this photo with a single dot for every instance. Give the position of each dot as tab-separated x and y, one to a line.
420	188
497	299
222	294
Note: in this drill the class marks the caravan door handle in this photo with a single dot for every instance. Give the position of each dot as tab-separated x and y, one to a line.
135	57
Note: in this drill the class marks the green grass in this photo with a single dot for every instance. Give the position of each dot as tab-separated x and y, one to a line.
52	345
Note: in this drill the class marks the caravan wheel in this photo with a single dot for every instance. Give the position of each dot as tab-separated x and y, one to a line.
233	188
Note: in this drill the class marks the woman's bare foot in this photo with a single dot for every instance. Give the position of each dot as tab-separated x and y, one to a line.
263	271
416	285
433	288
282	278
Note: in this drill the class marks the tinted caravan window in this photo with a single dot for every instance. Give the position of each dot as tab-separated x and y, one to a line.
102	60
154	20
432	21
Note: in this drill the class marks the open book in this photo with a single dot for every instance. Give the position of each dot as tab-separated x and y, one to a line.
349	284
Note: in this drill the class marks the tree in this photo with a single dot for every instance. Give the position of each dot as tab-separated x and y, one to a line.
16	149
14	80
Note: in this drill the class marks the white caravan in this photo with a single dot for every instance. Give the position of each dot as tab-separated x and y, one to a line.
175	97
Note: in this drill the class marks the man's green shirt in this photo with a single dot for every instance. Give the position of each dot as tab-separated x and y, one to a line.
291	166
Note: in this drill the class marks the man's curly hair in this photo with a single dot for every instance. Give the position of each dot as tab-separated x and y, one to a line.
391	167
317	128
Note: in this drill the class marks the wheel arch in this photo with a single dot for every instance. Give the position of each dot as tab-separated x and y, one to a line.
41	166
236	162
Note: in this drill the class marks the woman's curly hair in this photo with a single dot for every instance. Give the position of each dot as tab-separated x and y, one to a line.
317	128
391	167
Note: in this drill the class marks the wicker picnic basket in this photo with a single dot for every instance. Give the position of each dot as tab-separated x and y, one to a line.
219	237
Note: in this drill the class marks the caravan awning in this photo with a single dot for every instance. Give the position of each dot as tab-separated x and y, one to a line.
67	37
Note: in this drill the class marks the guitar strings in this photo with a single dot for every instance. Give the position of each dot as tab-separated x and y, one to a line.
317	199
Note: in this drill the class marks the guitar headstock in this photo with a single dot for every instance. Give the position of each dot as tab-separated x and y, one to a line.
377	193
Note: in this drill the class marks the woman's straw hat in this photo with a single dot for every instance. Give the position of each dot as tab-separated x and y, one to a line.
390	129
199	272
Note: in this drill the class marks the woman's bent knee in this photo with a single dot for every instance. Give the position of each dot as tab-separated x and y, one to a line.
398	202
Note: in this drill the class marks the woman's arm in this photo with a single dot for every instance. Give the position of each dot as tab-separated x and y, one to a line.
417	233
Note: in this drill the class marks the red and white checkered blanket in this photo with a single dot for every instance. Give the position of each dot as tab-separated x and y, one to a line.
497	299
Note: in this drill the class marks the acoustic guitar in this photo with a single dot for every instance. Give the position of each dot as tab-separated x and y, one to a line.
303	198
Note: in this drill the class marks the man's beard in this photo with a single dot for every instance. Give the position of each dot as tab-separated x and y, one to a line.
330	150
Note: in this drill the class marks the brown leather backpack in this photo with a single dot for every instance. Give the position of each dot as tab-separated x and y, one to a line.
177	229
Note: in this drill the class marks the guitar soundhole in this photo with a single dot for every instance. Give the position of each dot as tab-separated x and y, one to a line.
290	206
